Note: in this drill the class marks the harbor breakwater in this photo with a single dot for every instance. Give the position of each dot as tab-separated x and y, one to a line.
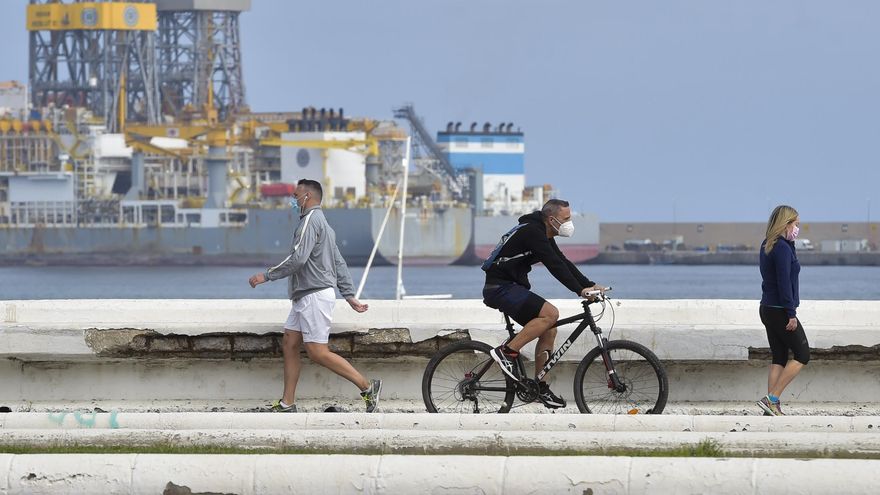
807	258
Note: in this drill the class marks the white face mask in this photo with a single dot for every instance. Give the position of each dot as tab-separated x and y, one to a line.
565	229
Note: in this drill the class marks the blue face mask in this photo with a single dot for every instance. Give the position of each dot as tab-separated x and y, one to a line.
294	204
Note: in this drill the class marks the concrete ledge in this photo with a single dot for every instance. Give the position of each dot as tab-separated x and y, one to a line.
676	330
713	350
438	422
245	475
479	442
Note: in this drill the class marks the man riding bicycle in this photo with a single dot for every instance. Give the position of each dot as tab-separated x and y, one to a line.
507	287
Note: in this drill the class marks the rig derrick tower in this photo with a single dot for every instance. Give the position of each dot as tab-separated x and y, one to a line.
99	55
199	52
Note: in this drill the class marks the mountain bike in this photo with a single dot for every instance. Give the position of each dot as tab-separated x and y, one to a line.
615	377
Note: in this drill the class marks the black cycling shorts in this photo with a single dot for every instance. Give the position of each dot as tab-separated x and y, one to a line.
514	300
781	340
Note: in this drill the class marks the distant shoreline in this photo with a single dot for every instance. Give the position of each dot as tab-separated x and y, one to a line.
807	258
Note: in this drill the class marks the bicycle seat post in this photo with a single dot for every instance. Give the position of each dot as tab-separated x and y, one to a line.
509	325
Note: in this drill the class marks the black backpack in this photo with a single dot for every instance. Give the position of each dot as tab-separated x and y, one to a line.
493	258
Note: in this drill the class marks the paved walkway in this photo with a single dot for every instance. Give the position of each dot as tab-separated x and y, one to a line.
441	453
736	408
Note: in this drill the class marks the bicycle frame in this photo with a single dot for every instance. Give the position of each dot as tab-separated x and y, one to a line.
601	341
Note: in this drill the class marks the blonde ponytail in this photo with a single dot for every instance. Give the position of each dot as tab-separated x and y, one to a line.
779	220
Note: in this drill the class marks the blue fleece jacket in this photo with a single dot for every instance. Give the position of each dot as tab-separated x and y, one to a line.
779	275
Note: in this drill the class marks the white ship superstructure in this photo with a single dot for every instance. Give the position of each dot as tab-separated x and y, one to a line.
496	155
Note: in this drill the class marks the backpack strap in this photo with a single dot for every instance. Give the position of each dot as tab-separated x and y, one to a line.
493	258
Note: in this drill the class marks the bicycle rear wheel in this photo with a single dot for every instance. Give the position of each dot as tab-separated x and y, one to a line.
463	378
637	368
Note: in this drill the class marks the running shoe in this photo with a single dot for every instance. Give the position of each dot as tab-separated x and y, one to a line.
770	407
506	361
277	406
548	398
371	395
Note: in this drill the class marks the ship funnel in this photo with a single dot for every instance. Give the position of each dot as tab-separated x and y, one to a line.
487	127
473	126
217	163
457	126
449	126
509	126
137	177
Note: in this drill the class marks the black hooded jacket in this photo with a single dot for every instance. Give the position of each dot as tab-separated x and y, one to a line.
533	237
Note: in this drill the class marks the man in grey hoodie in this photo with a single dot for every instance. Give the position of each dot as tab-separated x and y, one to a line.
313	268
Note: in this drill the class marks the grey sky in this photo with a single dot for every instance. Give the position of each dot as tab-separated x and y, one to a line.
638	110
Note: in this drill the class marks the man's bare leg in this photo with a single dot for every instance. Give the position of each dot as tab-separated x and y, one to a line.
291	344
321	354
543	349
546	319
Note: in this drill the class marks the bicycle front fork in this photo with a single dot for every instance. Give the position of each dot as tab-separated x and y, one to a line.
614	382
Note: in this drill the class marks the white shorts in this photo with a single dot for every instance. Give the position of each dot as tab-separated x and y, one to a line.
311	315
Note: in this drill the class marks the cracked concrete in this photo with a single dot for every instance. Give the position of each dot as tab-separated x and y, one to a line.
834	353
377	342
172	489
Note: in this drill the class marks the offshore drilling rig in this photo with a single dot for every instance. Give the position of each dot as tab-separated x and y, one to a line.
136	124
162	78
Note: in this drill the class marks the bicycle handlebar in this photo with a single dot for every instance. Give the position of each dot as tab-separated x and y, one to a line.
598	294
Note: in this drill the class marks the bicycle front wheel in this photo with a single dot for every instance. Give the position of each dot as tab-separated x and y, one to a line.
645	386
463	378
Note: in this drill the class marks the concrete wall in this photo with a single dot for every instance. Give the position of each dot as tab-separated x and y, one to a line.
250	474
712	349
713	329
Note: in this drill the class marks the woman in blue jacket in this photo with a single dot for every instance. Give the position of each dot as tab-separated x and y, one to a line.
779	303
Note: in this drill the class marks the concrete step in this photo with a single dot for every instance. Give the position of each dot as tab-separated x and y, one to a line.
392	474
472	442
355	404
437	422
523	434
261	380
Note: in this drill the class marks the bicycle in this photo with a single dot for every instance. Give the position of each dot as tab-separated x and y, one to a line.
617	376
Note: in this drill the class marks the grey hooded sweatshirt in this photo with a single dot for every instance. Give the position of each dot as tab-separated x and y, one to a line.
314	262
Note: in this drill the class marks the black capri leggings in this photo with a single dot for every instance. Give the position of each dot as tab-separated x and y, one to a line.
781	340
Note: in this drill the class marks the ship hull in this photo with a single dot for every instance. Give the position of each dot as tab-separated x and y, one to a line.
433	237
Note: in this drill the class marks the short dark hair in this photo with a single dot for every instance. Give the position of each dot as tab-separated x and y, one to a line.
313	187
551	208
